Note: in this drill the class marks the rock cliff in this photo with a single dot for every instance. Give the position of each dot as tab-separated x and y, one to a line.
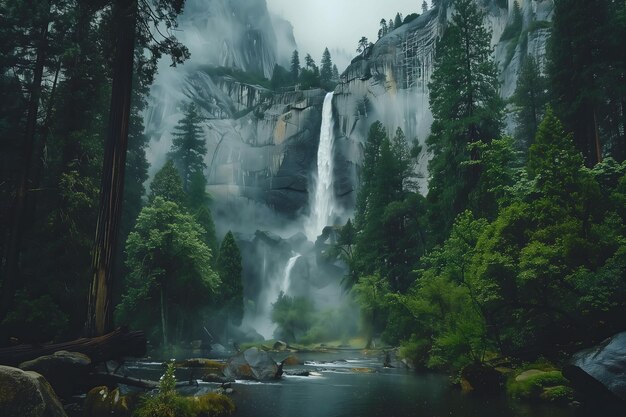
389	81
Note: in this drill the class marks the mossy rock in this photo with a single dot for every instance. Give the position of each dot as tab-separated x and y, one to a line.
206	364
538	385
212	405
561	394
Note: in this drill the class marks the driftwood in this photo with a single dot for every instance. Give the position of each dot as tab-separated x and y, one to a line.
115	345
111	380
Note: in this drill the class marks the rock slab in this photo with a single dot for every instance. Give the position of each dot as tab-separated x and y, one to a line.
600	371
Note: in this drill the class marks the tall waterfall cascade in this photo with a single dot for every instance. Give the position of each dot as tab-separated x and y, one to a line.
284	288
322	201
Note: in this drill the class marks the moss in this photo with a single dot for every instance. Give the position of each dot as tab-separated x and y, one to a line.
212	405
559	394
531	384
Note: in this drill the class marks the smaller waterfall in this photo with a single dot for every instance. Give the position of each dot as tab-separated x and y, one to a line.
287	277
322	198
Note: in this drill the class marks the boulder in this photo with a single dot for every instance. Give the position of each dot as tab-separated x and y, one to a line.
27	394
600	372
252	364
63	370
280	346
481	379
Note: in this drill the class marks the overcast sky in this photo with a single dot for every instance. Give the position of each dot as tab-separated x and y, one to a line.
338	24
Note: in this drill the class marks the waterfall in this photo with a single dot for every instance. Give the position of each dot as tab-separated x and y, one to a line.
287	276
322	198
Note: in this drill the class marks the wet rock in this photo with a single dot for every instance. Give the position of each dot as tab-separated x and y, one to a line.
280	346
299	373
252	364
27	394
291	360
599	373
481	379
63	370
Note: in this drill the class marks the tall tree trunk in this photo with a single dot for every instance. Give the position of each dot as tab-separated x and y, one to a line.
163	320
99	309
14	241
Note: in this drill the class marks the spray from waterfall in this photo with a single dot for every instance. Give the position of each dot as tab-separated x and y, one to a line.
322	200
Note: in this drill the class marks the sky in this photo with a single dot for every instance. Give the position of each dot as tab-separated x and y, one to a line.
338	24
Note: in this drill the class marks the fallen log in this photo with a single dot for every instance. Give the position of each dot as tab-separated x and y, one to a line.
115	345
112	380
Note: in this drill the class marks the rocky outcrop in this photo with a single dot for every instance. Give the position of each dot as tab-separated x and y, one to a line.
27	394
63	370
252	364
389	81
599	373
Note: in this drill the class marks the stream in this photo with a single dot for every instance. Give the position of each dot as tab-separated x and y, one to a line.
351	384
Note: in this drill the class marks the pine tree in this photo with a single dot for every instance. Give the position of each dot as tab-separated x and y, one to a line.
383	28
362	45
466	108
167	184
578	69
188	145
424	6
295	66
390	25
198	201
530	98
229	268
397	22
335	73
326	70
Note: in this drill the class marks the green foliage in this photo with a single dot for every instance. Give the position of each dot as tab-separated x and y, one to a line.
167	402
295	66
212	405
170	271
188	145
370	293
530	99
293	315
34	319
326	70
466	108
281	77
167	184
228	266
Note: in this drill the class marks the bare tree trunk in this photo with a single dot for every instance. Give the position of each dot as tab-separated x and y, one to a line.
163	320
99	309
14	241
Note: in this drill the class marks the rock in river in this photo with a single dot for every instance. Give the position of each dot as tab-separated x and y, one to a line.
600	372
252	364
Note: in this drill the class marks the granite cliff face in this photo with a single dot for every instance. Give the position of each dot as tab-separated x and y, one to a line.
261	144
389	81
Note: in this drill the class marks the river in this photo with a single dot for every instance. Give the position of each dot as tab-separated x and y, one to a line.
351	384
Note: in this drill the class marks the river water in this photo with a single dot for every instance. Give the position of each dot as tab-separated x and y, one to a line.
351	384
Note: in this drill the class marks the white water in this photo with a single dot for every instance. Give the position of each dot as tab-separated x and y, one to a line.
322	199
287	277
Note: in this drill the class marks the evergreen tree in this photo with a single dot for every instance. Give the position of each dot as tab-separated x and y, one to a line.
309	62
466	108
390	26
335	73
362	45
228	266
167	184
326	70
280	77
198	201
188	145
530	99
383	28
424	6
295	66
578	70
397	22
